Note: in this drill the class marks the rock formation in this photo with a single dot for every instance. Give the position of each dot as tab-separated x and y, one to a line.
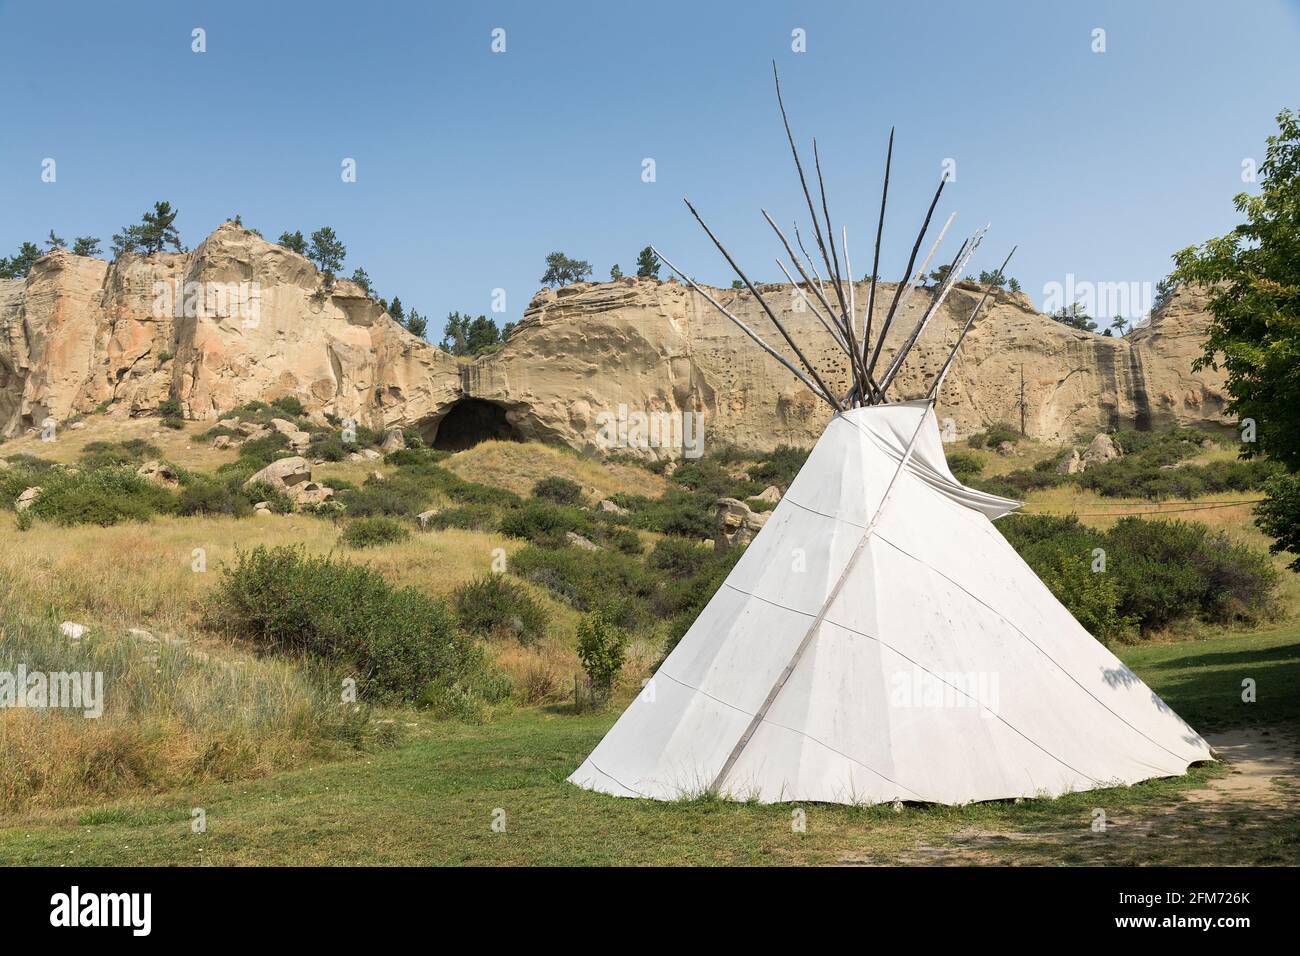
635	366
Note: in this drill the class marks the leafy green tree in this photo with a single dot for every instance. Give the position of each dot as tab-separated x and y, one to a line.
737	284
615	273
561	270
647	264
53	242
601	648
1013	285
396	311
1118	323
362	278
1252	275
157	229
85	246
293	241
21	262
327	251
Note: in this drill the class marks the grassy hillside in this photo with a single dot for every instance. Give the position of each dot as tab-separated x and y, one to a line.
233	723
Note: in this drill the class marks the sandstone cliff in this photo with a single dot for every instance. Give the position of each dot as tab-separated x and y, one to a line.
239	318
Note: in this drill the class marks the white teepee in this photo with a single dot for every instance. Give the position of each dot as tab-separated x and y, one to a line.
878	641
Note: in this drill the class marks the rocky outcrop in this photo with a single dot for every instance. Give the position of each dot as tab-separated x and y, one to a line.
635	366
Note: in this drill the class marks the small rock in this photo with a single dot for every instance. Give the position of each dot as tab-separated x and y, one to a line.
424	517
262	506
221	441
285	474
141	634
283	426
1070	464
369	454
606	506
72	631
1007	449
264	513
159	473
27	498
771	493
77	426
355	456
736	523
1103	448
394	441
310	494
377	476
578	541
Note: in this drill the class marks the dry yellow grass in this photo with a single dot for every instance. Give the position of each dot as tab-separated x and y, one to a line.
518	466
142	575
179	446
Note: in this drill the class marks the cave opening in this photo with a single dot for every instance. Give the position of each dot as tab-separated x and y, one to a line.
470	421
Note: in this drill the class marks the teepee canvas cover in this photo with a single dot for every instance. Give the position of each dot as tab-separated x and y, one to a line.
880	640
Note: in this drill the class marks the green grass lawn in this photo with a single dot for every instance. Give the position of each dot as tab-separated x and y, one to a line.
432	800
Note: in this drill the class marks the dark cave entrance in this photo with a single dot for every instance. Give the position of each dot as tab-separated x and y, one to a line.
470	421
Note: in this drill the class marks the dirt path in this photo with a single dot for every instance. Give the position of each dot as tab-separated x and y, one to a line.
1250	816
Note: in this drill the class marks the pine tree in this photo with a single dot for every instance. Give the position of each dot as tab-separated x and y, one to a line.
327	251
85	246
55	242
293	241
647	264
157	229
362	278
615	273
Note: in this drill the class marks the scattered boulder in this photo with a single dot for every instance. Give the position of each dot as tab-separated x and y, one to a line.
27	498
283	426
1071	463
736	523
263	512
262	506
72	631
1207	443
605	506
1007	449
578	541
251	429
159	473
394	441
304	496
377	476
1102	449
77	426
140	634
355	456
369	454
284	474
221	442
299	440
770	494
424	517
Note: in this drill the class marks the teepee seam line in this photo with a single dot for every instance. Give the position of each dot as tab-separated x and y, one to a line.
700	690
849	565
1012	624
616	780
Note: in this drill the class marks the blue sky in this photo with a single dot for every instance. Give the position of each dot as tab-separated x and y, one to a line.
472	166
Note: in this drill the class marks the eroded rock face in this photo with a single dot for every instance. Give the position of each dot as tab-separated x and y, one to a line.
634	366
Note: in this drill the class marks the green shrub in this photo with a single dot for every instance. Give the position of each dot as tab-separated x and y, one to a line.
560	491
468	517
169	408
540	521
710	477
372	532
328	447
101	496
1157	573
683	513
401	644
601	648
205	495
397	496
173	421
266	449
411	457
964	466
494	607
289	405
277	498
780	466
995	435
97	454
591	580
677	557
